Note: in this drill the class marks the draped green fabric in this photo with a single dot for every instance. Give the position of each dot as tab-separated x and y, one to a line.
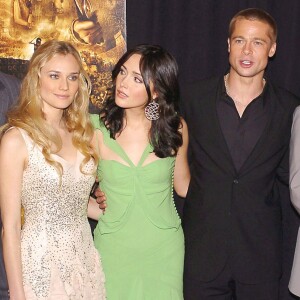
139	237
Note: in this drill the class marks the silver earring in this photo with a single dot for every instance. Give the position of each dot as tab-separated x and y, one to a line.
151	111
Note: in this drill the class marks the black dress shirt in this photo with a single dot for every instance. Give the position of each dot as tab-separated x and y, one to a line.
242	133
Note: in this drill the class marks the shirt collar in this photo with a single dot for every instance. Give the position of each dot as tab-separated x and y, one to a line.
262	97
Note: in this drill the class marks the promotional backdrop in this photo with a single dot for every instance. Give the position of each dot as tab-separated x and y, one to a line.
96	27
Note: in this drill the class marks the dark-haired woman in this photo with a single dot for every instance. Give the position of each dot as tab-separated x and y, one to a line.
142	144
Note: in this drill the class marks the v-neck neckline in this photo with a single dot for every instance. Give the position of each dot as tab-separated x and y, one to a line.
129	161
71	163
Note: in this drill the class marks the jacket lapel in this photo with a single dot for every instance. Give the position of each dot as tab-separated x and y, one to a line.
270	135
216	144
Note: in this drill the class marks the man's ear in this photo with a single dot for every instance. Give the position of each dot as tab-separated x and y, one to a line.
228	43
272	50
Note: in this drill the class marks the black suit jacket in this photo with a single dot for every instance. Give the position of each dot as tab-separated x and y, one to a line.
9	89
229	214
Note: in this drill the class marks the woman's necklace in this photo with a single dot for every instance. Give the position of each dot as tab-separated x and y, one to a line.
227	92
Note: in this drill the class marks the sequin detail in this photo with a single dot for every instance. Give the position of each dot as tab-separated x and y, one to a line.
58	254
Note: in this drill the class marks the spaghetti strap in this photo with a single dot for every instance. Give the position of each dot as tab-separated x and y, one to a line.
28	141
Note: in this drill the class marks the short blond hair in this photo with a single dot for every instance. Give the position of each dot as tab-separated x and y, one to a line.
255	14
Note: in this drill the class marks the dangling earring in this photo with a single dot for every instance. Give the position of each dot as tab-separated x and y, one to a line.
151	111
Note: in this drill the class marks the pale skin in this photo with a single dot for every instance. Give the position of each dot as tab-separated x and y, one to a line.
250	46
132	96
58	85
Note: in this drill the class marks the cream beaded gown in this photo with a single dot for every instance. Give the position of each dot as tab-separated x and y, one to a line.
59	261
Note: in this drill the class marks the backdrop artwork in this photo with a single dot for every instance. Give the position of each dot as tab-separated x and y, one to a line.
96	27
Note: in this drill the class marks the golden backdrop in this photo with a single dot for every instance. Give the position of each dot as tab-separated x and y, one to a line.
96	27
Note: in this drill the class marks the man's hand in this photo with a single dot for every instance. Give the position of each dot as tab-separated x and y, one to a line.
101	199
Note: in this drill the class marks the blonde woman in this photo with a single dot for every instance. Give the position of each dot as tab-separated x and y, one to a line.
49	167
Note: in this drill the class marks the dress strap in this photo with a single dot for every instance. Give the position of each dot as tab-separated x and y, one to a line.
108	141
28	141
114	145
145	154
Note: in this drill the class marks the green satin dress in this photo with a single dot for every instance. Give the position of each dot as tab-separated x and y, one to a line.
139	237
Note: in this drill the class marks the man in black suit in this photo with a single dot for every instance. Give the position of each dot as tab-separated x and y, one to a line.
9	88
239	127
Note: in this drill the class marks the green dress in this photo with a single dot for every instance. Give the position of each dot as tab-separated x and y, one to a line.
139	237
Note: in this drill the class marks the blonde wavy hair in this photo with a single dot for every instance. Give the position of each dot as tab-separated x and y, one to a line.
28	114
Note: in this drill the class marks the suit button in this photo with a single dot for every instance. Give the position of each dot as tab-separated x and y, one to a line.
235	181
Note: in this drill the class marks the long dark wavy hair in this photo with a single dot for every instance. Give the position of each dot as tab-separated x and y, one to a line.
160	68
